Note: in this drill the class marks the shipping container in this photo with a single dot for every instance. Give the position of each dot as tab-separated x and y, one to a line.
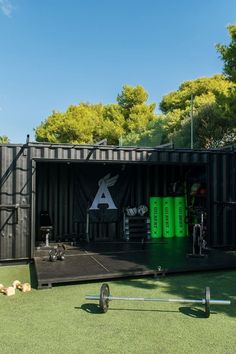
69	183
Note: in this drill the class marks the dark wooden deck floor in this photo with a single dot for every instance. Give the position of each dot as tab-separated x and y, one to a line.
108	260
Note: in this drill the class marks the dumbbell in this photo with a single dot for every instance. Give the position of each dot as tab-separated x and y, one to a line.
7	291
52	255
60	255
57	253
61	248
24	287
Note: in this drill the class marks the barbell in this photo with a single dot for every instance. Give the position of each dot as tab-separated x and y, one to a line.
105	297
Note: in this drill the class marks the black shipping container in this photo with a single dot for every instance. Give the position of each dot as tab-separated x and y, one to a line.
62	180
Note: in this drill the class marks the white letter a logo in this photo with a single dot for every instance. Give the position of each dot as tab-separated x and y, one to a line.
103	195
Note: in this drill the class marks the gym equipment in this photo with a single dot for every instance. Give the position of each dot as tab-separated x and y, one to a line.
156	222
45	226
52	255
180	213
105	297
131	211
61	252
57	253
160	272
7	291
24	287
136	226
142	210
199	242
61	255
168	217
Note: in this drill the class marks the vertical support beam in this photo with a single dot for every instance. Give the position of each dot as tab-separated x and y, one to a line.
32	170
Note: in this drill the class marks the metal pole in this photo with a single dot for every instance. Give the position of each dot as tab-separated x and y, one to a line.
191	117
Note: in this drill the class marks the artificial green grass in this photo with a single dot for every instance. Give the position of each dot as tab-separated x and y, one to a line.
61	320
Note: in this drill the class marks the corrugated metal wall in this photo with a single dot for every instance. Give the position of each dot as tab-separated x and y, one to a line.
55	191
15	199
222	192
23	187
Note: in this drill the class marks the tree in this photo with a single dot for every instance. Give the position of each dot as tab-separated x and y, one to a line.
211	129
152	135
88	123
138	115
82	124
211	108
79	124
228	54
113	123
131	96
4	139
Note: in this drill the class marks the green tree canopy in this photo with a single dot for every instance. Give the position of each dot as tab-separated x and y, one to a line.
4	139
228	54
88	123
211	108
204	90
132	96
141	121
211	129
152	135
77	125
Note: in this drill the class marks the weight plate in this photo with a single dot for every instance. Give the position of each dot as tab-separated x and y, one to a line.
207	301
104	294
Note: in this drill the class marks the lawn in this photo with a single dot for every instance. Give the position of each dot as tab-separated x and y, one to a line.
61	320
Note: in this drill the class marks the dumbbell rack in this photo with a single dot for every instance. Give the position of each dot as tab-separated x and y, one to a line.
136	227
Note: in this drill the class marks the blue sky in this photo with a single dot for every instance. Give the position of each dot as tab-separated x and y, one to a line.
54	53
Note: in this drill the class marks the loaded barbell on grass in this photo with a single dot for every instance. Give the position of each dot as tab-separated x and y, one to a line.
105	297
7	291
24	287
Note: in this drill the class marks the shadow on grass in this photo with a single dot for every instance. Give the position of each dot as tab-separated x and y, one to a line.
188	311
192	285
192	312
90	308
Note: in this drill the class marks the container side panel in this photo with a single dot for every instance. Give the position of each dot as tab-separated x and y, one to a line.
15	196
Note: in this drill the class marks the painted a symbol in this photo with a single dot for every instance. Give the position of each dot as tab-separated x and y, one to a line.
103	195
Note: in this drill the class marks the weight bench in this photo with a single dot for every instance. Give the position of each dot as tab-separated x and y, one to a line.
45	226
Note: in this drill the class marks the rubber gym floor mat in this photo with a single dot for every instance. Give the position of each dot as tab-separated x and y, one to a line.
107	261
